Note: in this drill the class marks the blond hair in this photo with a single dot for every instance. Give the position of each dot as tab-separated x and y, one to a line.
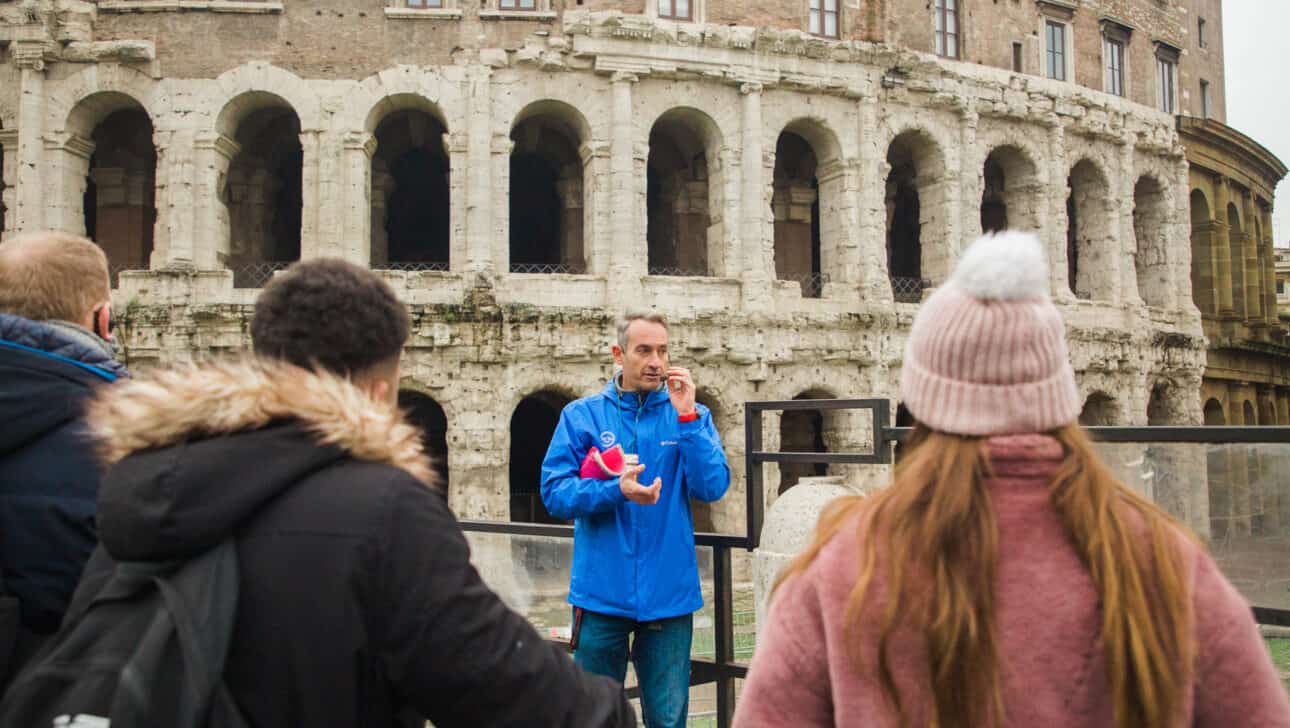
52	275
625	322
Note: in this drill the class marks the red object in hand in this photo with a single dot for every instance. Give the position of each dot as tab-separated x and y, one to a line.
605	465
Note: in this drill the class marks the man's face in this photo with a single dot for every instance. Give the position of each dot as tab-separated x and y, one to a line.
644	362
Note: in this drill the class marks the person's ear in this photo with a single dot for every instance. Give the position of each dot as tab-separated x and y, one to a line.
380	390
103	321
618	354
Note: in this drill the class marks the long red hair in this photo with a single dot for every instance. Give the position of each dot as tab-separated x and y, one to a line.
937	527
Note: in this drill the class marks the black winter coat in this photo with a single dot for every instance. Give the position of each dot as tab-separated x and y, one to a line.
358	604
48	473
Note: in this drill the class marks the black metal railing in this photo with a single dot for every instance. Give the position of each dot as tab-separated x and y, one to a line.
656	270
549	268
255	275
812	283
908	290
412	267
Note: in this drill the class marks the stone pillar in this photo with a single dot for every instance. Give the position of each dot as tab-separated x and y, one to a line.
175	229
838	192
382	185
787	530
8	186
67	160
29	212
353	202
476	161
500	147
316	239
1205	266
1238	465
1253	277
1058	223
1222	251
1269	269
971	181
1128	257
871	229
213	154
628	254
757	246
1283	406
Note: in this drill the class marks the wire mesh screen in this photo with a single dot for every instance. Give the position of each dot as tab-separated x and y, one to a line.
411	267
548	268
679	272
255	275
908	290
812	283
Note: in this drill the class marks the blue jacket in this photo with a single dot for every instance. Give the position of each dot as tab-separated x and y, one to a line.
49	476
632	560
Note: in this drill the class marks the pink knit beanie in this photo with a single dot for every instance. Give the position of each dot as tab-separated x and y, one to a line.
987	352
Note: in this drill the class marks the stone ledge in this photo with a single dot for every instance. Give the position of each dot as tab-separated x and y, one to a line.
423	13
175	6
517	15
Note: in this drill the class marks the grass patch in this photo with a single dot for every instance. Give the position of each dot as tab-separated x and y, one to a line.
1280	649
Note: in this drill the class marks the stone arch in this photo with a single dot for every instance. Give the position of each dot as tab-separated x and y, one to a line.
262	192
1090	240
1150	231
1100	410
428	415
113	167
917	214
804	431
1204	259
410	184
532	423
1010	190
1214	415
252	86
548	189
1249	417
1166	405
1236	252
807	203
683	193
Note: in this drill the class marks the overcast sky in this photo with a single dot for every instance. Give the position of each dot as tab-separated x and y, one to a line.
1258	85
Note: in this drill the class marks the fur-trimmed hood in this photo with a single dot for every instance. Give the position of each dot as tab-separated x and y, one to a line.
192	452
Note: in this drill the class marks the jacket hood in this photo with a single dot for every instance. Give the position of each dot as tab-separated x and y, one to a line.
46	374
194	452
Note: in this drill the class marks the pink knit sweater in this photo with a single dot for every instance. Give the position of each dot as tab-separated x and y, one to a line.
1053	674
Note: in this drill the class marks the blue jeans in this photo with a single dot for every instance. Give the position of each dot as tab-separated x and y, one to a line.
660	650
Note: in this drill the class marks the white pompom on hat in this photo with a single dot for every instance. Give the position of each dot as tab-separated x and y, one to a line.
987	352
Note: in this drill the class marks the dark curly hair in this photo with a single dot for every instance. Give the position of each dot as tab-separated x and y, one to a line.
331	315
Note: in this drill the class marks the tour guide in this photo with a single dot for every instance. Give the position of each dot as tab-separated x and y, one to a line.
634	571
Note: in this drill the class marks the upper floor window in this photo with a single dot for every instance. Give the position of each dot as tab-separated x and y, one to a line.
1201	39
425	3
1204	99
1055	49
947	28
517	4
675	9
1166	77
824	18
1113	50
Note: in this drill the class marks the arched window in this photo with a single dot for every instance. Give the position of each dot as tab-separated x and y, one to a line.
532	425
410	192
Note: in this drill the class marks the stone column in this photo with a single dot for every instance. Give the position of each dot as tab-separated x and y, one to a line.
1269	267
500	175
476	162
29	212
1058	222
382	185
1239	465
757	246
838	191
213	154
353	201
726	263
174	231
873	284
1205	266
316	239
1283	406
1223	251
8	186
1253	278
67	160
1128	257
971	171
628	254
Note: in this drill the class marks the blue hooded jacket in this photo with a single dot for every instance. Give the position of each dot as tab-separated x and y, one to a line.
631	560
49	475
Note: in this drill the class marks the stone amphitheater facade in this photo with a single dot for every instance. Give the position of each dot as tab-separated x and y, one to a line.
521	176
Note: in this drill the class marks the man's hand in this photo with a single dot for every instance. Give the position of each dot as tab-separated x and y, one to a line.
634	491
680	388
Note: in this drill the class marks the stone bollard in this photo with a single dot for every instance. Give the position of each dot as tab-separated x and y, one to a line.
787	530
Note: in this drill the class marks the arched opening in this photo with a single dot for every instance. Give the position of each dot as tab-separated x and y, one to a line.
795	202
1150	222
1089	242
1214	416
1249	418
410	192
118	202
1204	273
1164	407
263	192
802	431
915	215
1100	410
1236	250
1010	191
532	425
425	413
680	192
546	192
